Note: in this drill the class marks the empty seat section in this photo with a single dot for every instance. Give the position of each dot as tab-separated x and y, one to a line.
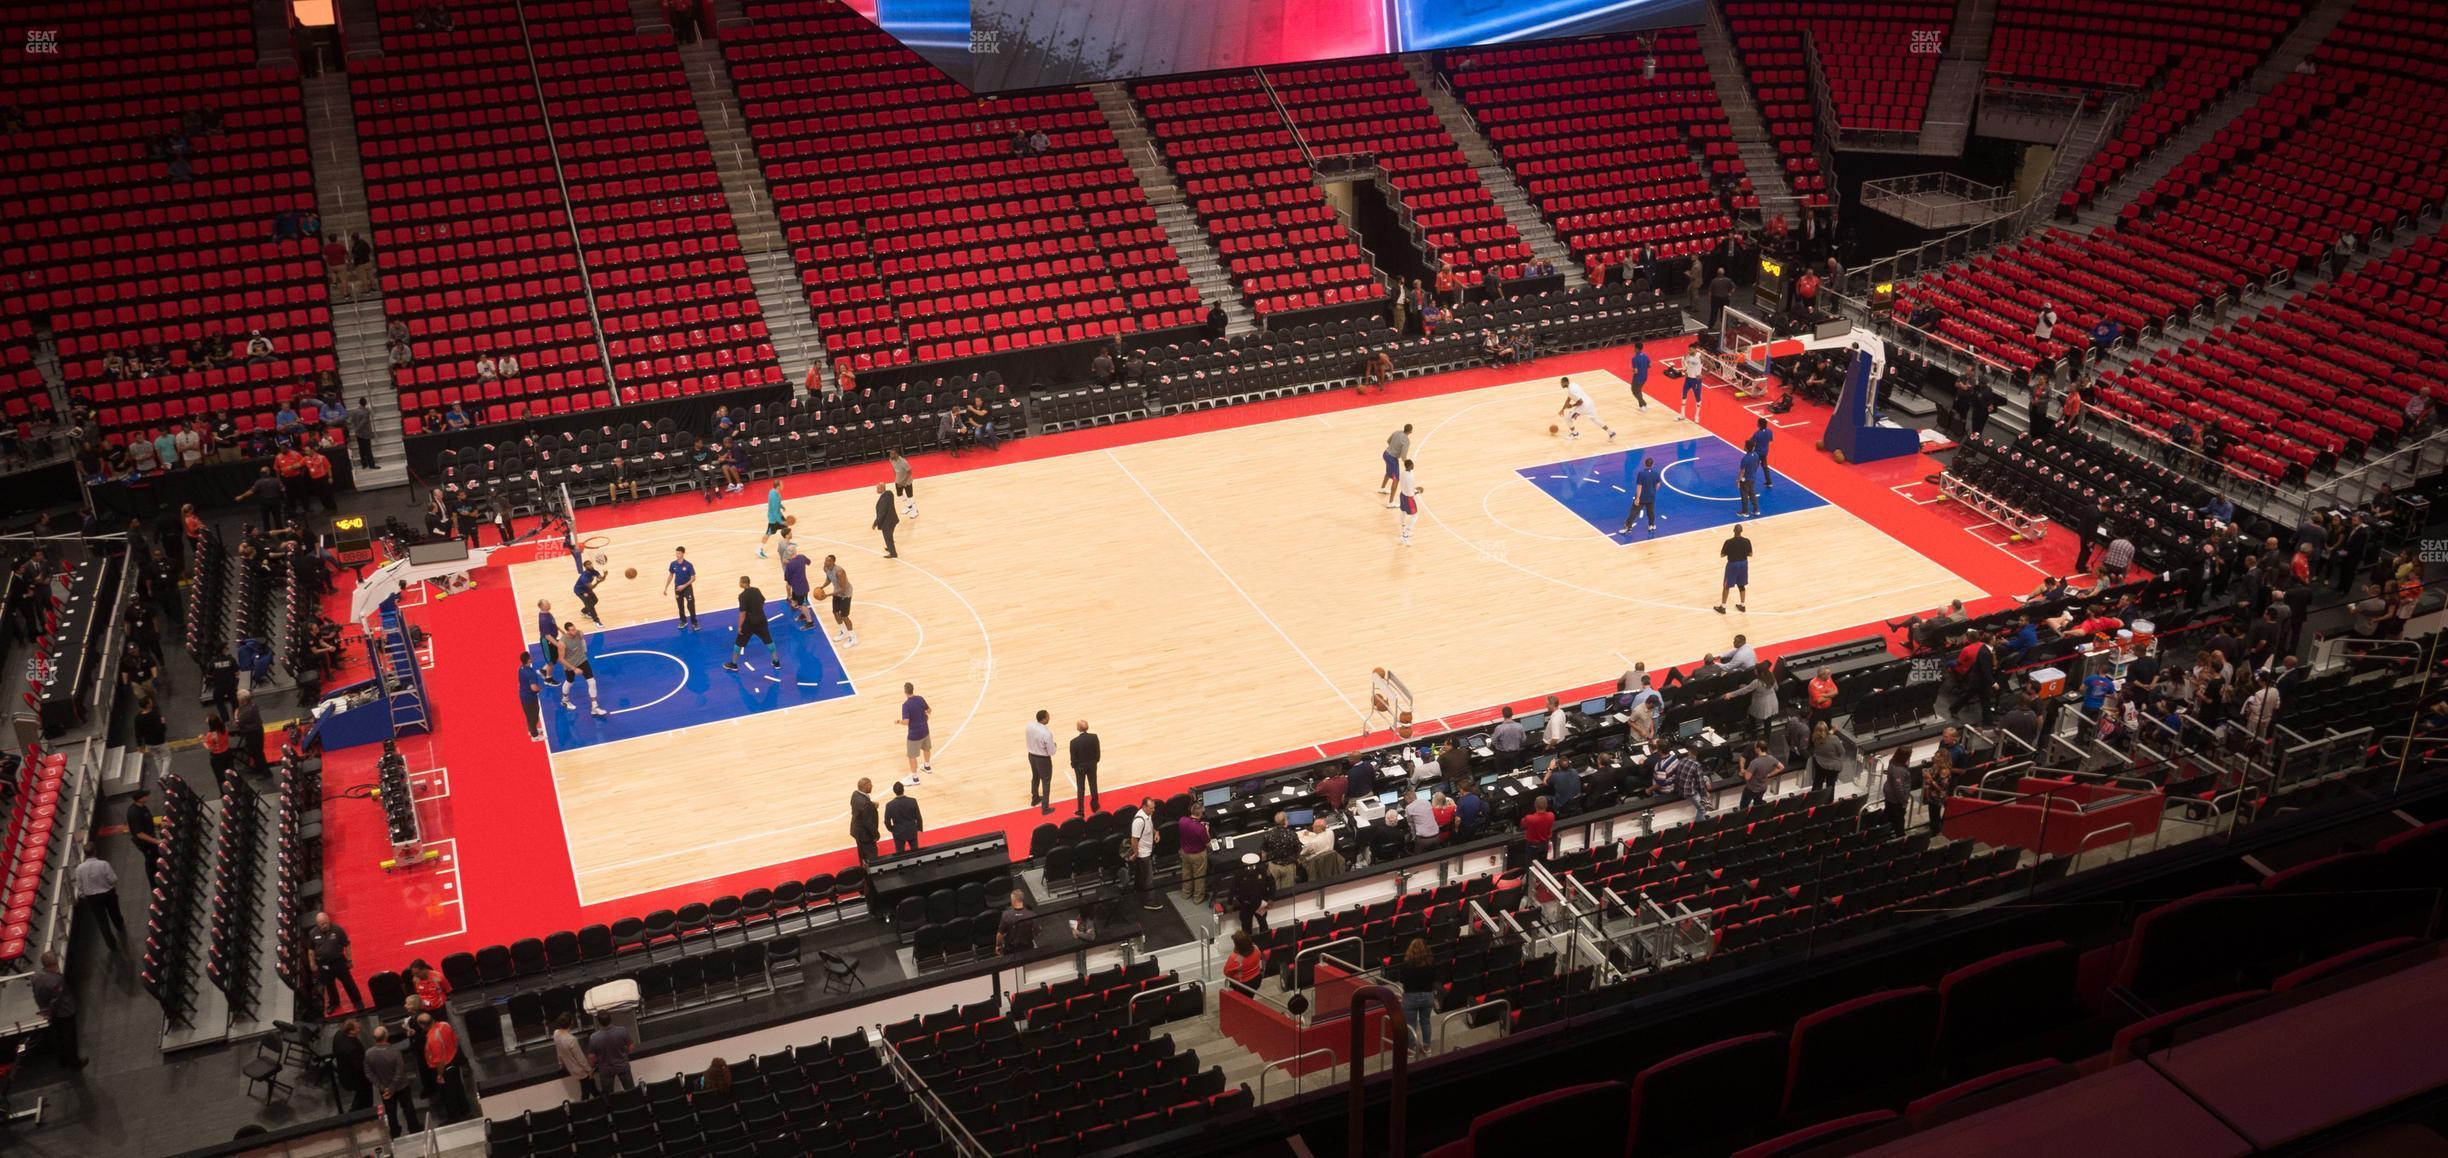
1612	160
1878	59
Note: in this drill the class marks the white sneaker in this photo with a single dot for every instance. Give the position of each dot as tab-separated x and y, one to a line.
852	641
600	713
566	704
760	552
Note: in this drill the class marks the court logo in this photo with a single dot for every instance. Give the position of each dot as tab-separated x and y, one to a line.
1495	550
42	42
1928	41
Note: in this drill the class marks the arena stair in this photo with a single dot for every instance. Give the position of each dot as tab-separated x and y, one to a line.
1181	226
357	325
1759	154
360	31
797	346
1482	157
1955	92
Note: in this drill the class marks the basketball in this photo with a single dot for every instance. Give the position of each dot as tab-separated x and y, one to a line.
630	573
790	520
1552	428
601	559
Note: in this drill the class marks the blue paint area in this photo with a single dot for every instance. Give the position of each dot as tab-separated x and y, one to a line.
1699	492
657	676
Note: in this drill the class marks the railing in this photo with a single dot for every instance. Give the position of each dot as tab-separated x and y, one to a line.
1980	237
1443	1020
2357	486
1931	193
1321	949
1396	1106
945	1119
552	145
1285	115
2086	844
1300	1080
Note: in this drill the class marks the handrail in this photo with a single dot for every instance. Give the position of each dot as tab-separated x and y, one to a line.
552	144
1396	1106
928	1101
1445	1019
1321	948
2084	845
1285	114
1132	1006
1300	1080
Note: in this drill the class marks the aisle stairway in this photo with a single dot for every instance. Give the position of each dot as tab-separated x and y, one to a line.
357	326
780	296
1482	158
1759	154
1955	91
1181	225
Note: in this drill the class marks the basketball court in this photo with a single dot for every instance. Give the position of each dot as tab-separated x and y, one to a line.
1202	600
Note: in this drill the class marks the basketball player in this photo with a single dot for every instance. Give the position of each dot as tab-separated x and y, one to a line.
1640	373
548	633
789	546
575	667
1577	406
837	581
1737	553
1407	489
752	626
588	578
795	584
1746	485
1757	444
901	483
1397	448
773	516
1644	495
1694	378
681	585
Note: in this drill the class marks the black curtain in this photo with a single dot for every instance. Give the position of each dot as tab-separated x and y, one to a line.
43	488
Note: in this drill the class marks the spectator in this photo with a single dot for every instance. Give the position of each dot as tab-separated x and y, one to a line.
1827	759
1896	790
1538	829
1420	815
1282	850
1318	855
1563	786
348	1064
1759	775
442	1062
1190	839
426	982
608	1050
1685	777
455	418
575	1064
1937	783
1470	812
1507	741
1419	985
258	347
1253	892
393	1079
1245	965
329	944
1016	932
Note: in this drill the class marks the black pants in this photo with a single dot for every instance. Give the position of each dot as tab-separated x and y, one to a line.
361	1097
535	716
401	1109
686	600
102	909
1752	798
1041	779
1823	778
269	511
1894	813
64	1040
866	848
365	458
1143	874
1937	811
336	979
1084	786
890	551
902	844
1640	507
586	606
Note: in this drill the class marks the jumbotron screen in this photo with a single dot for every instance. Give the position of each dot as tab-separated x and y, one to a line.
1001	45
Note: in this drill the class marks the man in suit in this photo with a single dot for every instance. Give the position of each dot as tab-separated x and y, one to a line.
887	517
863	830
901	816
1085	752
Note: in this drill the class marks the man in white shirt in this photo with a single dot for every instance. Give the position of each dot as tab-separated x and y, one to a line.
1143	853
97	898
1559	724
1742	658
1406	499
1421	816
1040	743
1695	377
1577	406
2045	324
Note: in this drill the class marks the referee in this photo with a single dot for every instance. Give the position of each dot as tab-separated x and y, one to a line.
752	626
1737	553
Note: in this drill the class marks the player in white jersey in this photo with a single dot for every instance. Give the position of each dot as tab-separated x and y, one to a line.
1577	406
1694	377
1406	499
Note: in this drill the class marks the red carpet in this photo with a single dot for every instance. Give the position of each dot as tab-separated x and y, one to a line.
497	828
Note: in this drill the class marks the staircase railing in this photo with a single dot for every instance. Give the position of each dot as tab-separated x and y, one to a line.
1982	236
552	144
1285	114
1396	1104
